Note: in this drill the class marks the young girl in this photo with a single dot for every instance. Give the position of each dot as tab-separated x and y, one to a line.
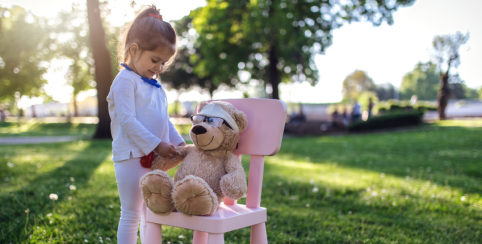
138	110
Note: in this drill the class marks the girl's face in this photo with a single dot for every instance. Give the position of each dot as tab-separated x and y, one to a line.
149	63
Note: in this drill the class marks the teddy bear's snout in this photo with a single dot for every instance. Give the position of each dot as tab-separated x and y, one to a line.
198	130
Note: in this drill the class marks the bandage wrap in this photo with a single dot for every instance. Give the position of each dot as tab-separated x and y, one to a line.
212	110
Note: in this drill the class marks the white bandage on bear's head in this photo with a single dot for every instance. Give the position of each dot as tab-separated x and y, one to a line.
213	110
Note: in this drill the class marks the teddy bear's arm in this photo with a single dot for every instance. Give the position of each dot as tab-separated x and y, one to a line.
166	164
233	184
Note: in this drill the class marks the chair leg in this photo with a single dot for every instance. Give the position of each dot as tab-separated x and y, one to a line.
200	237
258	234
153	233
216	238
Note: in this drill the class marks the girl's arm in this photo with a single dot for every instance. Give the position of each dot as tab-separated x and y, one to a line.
124	99
174	136
166	164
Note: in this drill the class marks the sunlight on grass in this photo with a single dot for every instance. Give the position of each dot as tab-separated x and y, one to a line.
399	187
471	122
14	128
373	187
11	129
183	129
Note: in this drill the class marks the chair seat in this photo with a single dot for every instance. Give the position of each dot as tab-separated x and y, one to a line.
226	218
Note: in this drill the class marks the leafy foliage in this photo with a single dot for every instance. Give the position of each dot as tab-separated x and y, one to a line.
355	84
274	40
181	74
423	82
459	90
385	91
25	49
446	49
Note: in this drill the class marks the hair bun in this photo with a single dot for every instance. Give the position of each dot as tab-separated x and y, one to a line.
152	9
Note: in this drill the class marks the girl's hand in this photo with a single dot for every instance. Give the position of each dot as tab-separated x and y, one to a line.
166	150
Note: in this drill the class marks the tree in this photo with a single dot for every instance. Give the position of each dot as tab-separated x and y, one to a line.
446	53
423	81
274	40
459	90
181	74
77	49
385	91
102	64
356	83
25	49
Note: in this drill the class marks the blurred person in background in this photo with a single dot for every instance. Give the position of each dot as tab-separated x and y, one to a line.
3	114
345	116
356	112
370	107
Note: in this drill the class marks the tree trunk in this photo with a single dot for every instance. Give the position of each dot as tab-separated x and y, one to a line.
76	110
443	95
34	114
273	72
211	90
103	72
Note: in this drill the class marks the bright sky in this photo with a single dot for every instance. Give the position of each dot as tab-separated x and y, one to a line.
386	53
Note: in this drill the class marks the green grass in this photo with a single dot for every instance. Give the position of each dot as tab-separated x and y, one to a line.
421	186
12	129
456	123
183	129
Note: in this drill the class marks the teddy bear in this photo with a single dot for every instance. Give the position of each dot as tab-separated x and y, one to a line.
209	171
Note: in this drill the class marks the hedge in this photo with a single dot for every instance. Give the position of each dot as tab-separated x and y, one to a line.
390	120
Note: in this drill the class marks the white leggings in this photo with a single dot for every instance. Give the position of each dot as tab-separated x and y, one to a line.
128	173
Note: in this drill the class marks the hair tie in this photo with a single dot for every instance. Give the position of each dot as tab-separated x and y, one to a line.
155	16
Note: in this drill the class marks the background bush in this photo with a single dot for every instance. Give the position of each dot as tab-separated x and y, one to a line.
390	120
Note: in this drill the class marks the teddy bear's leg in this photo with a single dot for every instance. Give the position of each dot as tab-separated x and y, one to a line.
156	188
193	196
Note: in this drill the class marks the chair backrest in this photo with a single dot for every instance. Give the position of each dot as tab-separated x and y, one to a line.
262	137
266	122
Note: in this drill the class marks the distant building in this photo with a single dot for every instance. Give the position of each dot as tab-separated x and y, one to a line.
86	107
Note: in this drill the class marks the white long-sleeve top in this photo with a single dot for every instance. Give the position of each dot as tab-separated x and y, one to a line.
139	118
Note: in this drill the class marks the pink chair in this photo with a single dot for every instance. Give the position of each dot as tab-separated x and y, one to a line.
266	121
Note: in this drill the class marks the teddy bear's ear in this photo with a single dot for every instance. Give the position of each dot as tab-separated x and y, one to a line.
241	120
200	106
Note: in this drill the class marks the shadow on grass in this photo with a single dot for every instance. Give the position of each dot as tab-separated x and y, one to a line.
346	189
34	195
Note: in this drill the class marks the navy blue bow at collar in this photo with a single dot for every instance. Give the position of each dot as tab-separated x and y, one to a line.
150	81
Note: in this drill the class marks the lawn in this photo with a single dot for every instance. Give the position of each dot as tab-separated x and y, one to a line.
12	129
420	186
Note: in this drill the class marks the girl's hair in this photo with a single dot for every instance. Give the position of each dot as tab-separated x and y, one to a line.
149	33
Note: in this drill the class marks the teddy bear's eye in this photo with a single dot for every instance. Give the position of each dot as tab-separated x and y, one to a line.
224	122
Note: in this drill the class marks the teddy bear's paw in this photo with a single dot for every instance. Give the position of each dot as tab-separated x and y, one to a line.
156	188
193	196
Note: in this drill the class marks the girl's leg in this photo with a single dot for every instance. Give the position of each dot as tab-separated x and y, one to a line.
128	174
